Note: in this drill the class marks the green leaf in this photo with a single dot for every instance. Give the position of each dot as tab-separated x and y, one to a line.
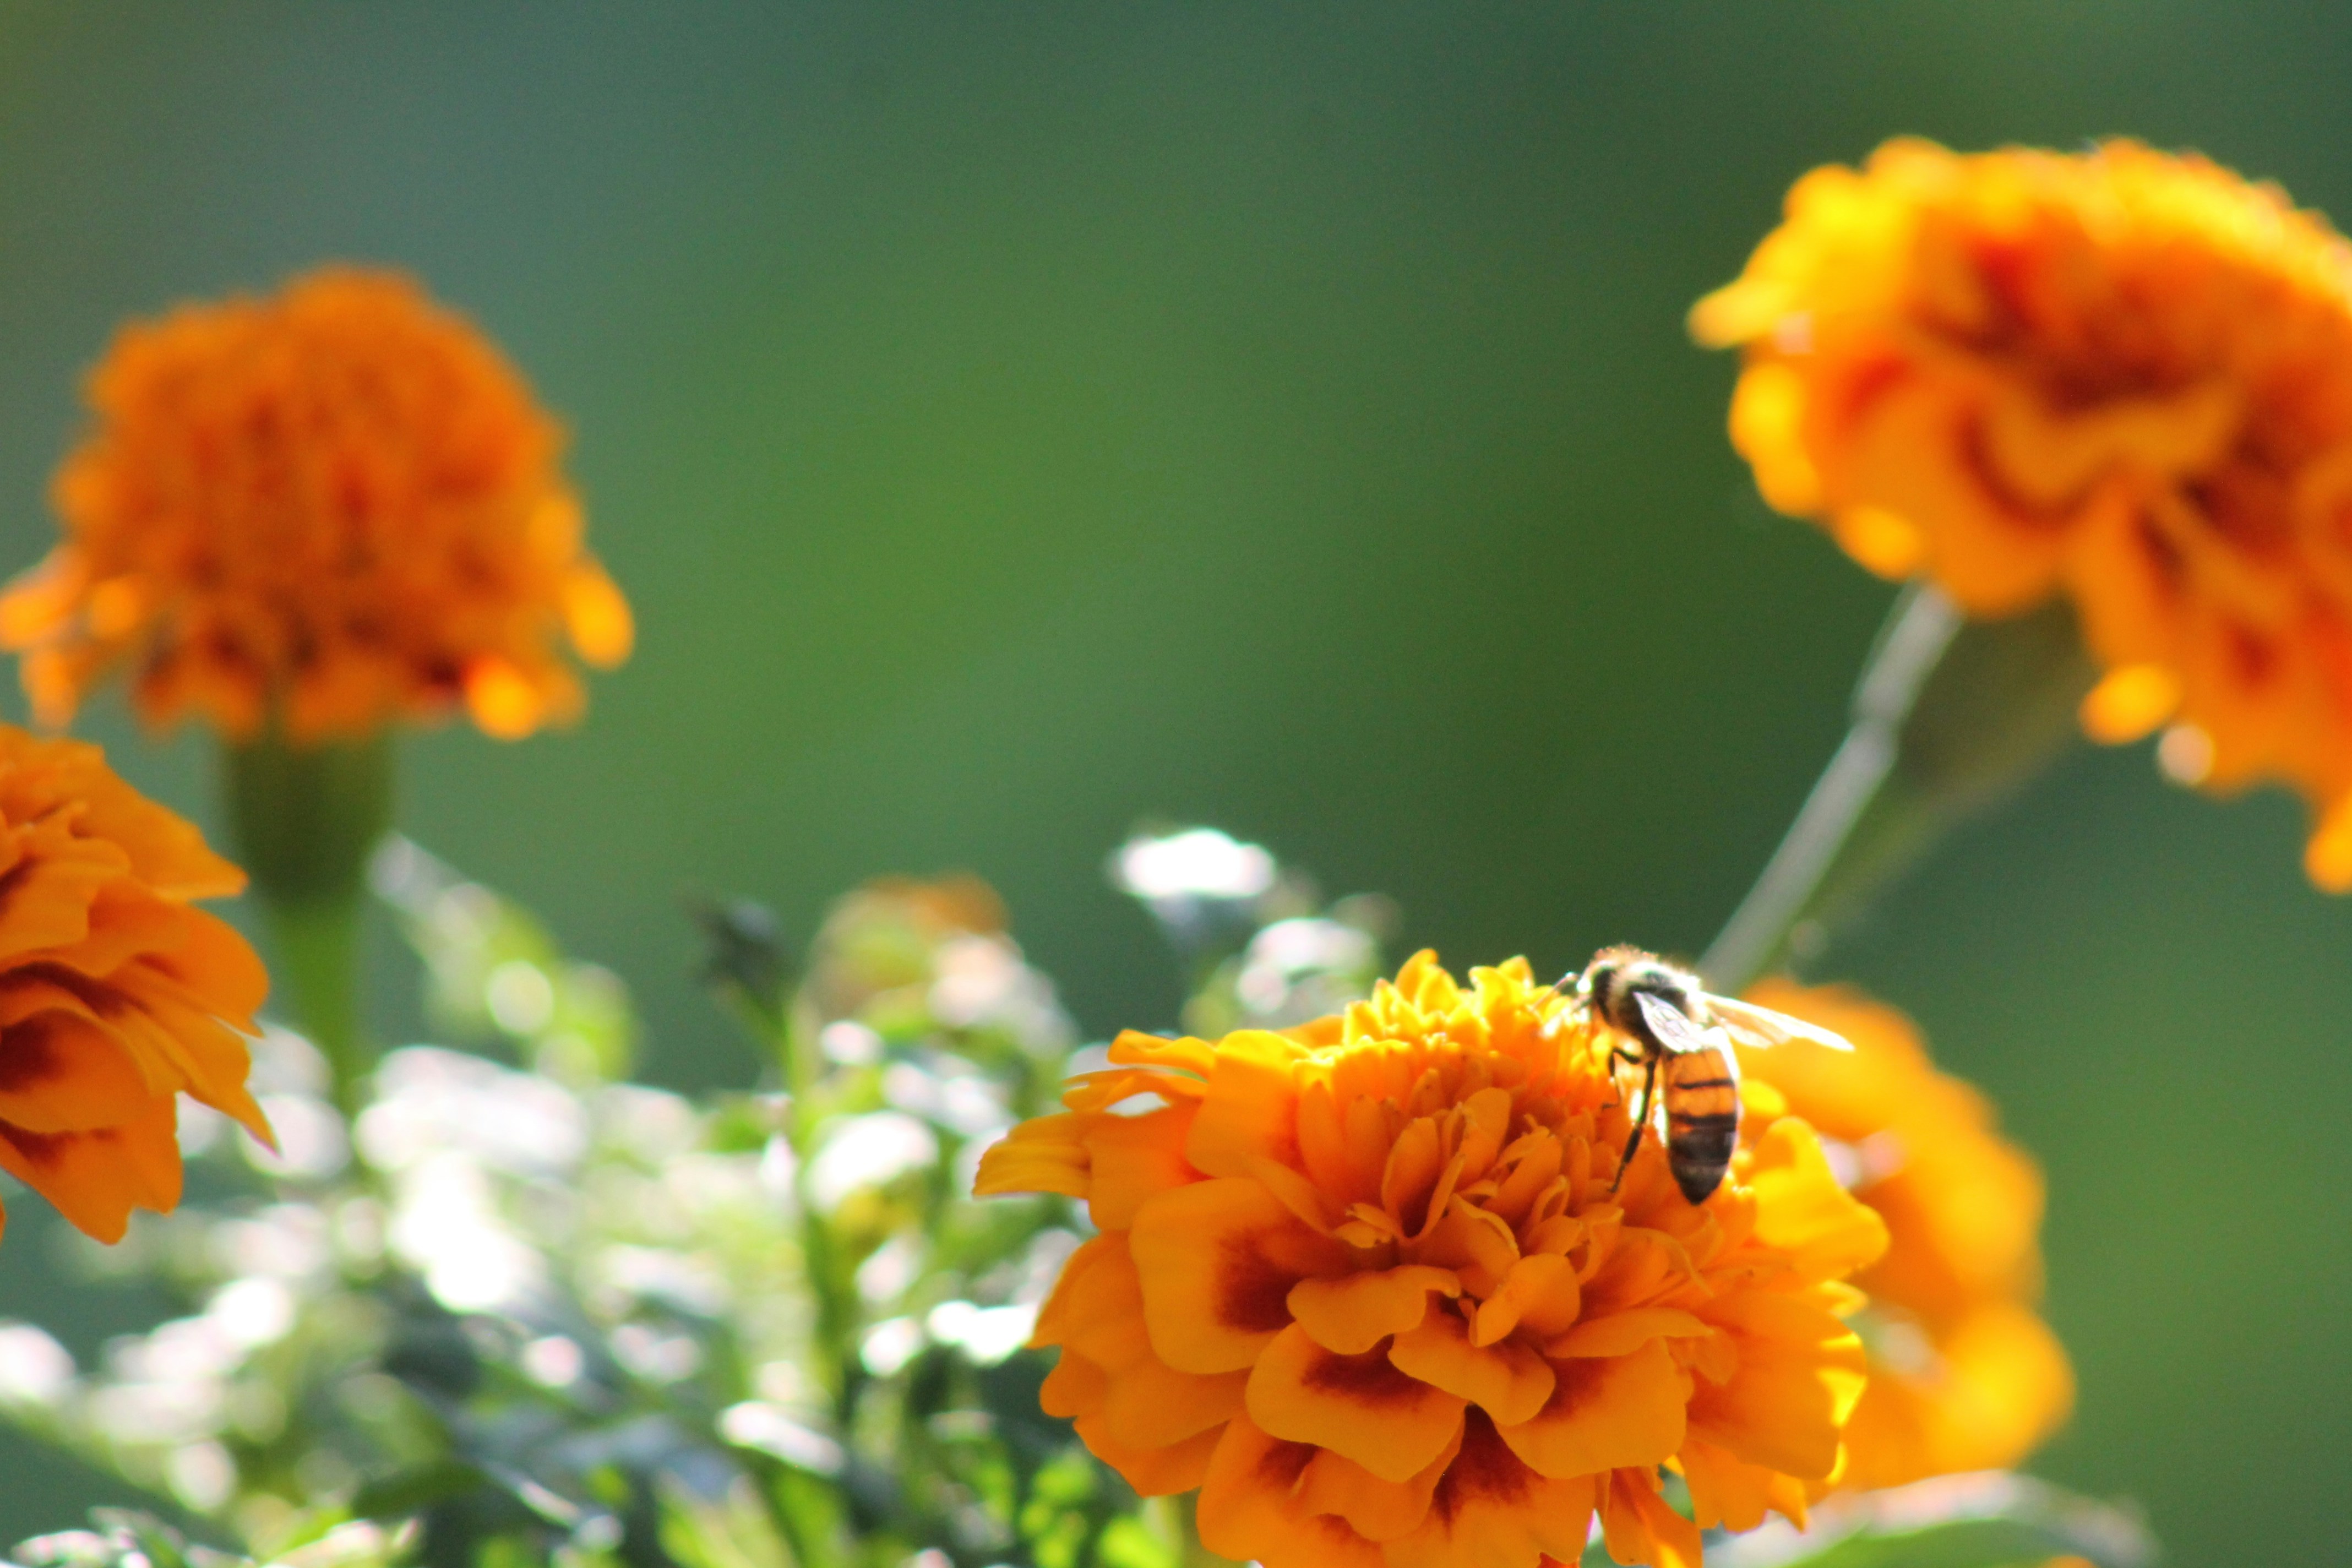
414	1489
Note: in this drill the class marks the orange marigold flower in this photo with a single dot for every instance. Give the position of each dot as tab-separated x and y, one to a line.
1964	1375
116	995
2123	375
1365	1283
342	501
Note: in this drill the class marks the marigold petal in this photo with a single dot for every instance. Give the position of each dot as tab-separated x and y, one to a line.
52	887
1490	1509
1884	542
1726	1492
1250	1111
1768	415
1218	1260
1362	1406
1152	1472
95	1178
1539	1293
63	1071
1639	1527
1043	1154
1354	1313
1250	1506
1133	1159
2327	858
1150	1405
1622	1333
2130	703
1375	1509
1602	1414
1075	1386
597	618
1799	1373
1803	1211
1509	1381
505	702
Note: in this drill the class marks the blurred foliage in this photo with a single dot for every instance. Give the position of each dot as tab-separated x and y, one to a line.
521	1311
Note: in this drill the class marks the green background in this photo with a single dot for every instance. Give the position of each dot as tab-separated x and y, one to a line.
1009	422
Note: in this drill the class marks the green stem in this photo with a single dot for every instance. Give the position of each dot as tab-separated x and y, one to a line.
305	818
317	947
1950	717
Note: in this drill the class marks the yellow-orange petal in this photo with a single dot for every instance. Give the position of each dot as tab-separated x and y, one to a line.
1622	1333
39	602
1075	1387
597	618
1803	1211
1490	1509
1132	1159
1150	1405
62	1070
1152	1472
1218	1260
1250	1506
1043	1154
1768	412
1539	1293
1884	542
95	1178
1375	1509
2328	859
1362	1406
502	699
1250	1110
1638	1526
1508	1380
1354	1313
1602	1414
2130	702
1800	1373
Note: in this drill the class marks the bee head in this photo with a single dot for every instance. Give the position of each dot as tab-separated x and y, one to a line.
1615	974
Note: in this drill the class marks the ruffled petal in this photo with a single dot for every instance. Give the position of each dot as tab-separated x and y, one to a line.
1604	1414
1218	1260
1361	1406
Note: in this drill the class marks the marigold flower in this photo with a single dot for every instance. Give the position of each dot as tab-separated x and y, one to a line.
341	501
1364	1282
2122	375
1964	1375
116	995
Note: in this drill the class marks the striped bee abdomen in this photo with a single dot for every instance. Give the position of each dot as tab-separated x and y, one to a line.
1702	1095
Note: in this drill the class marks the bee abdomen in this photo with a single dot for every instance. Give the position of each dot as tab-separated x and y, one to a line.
1702	1120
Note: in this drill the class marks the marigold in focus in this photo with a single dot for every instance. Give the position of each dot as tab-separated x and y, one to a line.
342	503
2123	375
1365	1284
1964	1375
116	995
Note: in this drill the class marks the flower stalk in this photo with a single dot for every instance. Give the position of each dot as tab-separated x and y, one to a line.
305	818
1950	717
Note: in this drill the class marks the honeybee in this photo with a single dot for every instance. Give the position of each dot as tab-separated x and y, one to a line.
1680	1033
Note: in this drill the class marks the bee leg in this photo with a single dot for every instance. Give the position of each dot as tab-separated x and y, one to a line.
1649	1087
1631	1058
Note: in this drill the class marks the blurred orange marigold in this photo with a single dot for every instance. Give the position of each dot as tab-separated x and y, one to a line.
342	503
1364	1283
2121	374
116	995
1964	1375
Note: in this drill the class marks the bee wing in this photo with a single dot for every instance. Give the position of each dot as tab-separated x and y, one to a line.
1673	1029
1762	1026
